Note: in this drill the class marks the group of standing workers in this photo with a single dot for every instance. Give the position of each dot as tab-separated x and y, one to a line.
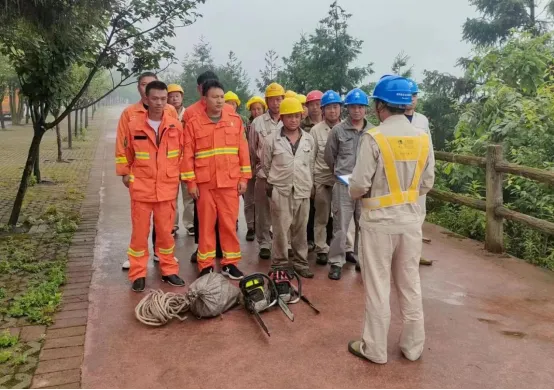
310	181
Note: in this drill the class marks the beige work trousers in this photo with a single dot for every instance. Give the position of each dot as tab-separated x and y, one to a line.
263	214
188	208
249	202
382	254
322	204
289	214
350	237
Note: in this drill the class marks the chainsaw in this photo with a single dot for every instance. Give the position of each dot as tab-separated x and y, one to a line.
259	294
288	293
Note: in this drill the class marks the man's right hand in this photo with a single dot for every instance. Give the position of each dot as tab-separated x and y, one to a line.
194	193
125	179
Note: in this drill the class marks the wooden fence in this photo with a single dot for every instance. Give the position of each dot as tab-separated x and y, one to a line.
495	167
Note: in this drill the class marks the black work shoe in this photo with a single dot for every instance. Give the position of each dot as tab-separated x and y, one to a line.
322	258
351	258
174	231
265	254
304	272
190	231
291	253
358	269
250	235
335	272
311	246
232	272
139	285
194	257
205	271
174	280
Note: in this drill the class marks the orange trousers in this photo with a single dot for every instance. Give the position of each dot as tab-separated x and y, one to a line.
221	204
164	214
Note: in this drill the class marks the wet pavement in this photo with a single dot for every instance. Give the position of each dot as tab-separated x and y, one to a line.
489	322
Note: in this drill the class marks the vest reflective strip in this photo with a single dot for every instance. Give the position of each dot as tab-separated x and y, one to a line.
142	155
216	152
172	153
395	149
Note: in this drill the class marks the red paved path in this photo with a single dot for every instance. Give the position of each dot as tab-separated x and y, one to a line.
489	323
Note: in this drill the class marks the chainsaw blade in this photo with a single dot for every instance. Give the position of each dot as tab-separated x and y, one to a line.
285	309
306	300
261	322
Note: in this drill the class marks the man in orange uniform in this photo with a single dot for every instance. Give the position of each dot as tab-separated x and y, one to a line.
150	163
194	109
216	168
130	113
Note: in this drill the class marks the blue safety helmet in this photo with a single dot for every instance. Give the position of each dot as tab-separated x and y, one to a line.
356	97
413	86
330	97
396	91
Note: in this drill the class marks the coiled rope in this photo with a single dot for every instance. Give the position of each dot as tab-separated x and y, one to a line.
158	307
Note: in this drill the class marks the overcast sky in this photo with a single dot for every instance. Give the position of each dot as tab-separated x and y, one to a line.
430	31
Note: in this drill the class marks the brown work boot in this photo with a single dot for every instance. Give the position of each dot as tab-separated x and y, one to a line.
423	261
304	272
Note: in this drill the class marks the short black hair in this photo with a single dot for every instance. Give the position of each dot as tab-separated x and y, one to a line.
207	75
147	74
156	84
392	109
209	84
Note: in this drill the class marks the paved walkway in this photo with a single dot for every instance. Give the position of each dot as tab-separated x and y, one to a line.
488	322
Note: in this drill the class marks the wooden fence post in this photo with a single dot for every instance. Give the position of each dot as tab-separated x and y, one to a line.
494	236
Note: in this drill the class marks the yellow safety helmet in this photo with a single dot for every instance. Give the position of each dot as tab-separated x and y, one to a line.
230	96
256	99
274	89
290	93
301	98
290	105
175	88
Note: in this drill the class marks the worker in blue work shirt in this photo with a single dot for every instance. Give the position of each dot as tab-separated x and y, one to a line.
340	156
419	121
395	166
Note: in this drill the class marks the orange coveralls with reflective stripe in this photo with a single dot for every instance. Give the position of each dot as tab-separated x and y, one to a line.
128	115
153	163
215	159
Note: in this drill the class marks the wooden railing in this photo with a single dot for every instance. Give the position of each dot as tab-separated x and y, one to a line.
495	167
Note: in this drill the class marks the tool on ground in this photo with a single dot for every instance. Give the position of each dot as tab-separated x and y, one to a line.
259	294
208	296
423	261
287	291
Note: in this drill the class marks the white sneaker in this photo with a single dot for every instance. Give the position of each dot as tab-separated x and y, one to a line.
126	265
157	259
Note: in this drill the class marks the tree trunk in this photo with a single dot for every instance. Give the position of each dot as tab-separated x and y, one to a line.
93	110
76	124
20	109
59	140
86	118
36	167
11	103
2	124
29	164
69	133
27	113
81	124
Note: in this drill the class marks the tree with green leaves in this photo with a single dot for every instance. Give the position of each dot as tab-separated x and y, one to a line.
500	17
271	71
43	39
195	63
332	52
234	78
